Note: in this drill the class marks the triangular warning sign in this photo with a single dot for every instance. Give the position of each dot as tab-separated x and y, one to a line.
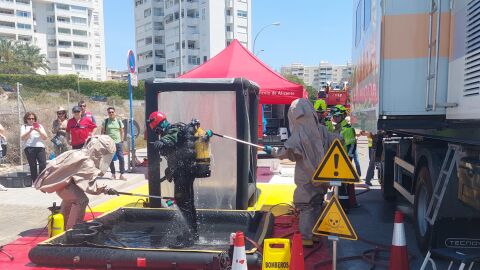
333	221
336	166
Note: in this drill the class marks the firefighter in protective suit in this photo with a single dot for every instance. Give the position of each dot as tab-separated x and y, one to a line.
306	146
177	145
321	108
347	191
74	173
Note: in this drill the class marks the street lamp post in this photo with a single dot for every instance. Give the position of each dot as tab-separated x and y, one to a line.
263	28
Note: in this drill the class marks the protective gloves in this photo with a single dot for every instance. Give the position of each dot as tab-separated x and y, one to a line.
209	133
158	145
268	149
110	191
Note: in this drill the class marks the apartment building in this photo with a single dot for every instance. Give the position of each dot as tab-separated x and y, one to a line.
70	33
306	73
331	73
319	76
173	36
117	75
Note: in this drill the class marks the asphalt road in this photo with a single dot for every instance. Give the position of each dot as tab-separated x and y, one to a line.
373	221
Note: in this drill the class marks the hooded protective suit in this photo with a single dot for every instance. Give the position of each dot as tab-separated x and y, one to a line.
306	146
73	173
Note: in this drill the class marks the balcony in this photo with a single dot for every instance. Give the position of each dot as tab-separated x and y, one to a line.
80	61
229	3
191	21
229	35
193	51
229	19
192	36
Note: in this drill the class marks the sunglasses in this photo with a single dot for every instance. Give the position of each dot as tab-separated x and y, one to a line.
60	113
84	105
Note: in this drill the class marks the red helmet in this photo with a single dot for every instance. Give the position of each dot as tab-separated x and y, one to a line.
155	118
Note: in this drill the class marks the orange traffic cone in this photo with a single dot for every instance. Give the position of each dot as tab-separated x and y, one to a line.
398	252
296	255
239	260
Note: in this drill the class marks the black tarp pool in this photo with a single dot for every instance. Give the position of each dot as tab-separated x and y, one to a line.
138	238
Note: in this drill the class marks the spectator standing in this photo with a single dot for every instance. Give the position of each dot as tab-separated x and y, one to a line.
113	127
33	134
79	129
3	142
83	106
59	129
3	150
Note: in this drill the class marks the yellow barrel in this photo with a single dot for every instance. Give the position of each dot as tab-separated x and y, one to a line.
55	224
276	254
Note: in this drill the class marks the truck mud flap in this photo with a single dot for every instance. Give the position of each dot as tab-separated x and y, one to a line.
457	233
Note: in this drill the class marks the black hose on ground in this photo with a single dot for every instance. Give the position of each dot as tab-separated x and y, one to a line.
371	256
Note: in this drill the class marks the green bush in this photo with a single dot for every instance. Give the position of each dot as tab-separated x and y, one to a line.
58	83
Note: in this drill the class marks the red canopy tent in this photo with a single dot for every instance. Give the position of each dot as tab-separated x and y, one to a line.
236	61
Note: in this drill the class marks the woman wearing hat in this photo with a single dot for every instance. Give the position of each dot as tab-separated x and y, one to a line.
59	127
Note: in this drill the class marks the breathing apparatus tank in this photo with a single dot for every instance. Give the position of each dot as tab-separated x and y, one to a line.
202	154
55	221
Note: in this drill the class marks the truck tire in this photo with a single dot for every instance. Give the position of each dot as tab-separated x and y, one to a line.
386	173
423	193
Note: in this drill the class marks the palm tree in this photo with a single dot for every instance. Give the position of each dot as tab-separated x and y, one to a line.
31	57
21	58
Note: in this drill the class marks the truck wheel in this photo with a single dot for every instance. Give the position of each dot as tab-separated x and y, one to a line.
386	173
423	193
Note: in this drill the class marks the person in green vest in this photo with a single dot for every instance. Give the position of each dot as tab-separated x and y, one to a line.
321	108
347	192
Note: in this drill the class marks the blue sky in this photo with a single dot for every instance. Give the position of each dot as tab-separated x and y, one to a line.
309	31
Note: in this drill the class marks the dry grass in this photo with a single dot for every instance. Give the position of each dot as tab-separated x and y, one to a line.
45	105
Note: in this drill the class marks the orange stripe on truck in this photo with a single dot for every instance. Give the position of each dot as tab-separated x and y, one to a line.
406	35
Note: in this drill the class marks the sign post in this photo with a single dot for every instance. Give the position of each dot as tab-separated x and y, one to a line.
335	168
131	73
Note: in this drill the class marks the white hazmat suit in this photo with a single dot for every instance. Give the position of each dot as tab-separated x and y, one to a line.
306	146
73	173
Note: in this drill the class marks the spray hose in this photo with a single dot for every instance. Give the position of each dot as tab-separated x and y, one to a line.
165	201
237	140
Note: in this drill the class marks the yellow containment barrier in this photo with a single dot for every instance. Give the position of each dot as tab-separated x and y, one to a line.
276	254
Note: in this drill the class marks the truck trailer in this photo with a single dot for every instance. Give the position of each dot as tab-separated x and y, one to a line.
416	87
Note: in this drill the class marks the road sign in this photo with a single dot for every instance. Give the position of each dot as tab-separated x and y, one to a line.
131	61
134	79
336	166
334	222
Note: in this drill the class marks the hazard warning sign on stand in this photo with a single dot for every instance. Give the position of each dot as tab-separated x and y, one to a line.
336	166
334	222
